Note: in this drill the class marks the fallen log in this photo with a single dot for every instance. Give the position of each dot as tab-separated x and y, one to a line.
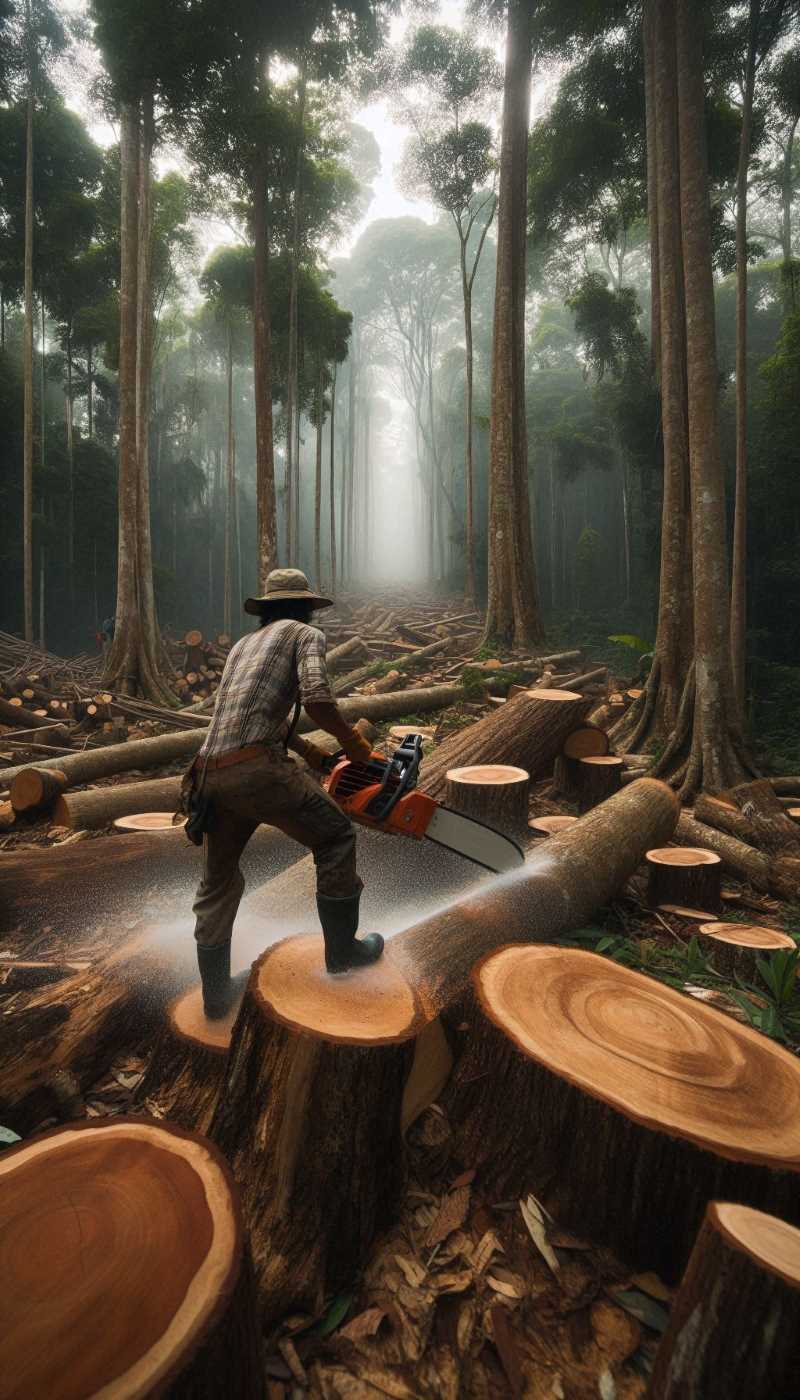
527	732
773	830
148	1288
659	1093
403	664
774	875
90	764
98	807
541	827
35	789
688	876
21	718
353	650
493	793
734	1327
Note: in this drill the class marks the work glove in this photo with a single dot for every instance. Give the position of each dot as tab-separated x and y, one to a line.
358	750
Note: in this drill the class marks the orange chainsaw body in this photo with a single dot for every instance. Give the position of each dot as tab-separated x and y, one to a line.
353	787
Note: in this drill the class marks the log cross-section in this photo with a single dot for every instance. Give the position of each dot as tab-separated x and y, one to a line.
683	876
494	793
627	1105
124	1268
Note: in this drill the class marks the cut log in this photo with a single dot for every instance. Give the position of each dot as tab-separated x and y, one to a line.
599	778
356	677
774	875
354	651
125	1268
187	1067
737	947
148	821
734	1327
7	816
578	1071
35	789
587	741
691	877
85	767
98	807
548	826
788	787
527	733
793	813
562	882
311	1117
493	793
21	718
773	831
391	681
399	732
194	638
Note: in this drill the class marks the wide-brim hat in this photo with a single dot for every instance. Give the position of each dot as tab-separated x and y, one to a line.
283	585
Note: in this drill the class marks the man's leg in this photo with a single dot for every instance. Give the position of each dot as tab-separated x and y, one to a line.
215	906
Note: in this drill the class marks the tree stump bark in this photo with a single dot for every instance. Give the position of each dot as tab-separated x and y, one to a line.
187	1068
494	793
737	947
587	741
625	1104
541	827
734	1328
35	789
527	732
124	1266
692	878
599	778
311	1116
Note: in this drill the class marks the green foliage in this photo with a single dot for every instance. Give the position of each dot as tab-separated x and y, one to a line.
637	644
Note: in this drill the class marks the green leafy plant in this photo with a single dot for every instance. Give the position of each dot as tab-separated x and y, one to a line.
632	642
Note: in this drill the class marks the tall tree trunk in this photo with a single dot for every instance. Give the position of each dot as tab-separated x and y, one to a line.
27	449
42	555
513	606
332	485
351	452
739	570
71	461
230	481
267	544
89	389
318	487
717	758
787	194
292	405
42	386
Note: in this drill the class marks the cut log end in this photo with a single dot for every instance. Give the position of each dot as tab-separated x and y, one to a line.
149	821
35	788
122	1263
189	1022
687	876
374	1005
546	826
588	741
752	937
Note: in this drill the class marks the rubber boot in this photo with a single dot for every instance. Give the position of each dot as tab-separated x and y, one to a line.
220	990
339	919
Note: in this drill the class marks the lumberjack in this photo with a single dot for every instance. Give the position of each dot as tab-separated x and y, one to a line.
243	776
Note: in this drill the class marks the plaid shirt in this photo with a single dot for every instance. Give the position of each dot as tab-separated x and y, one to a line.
265	674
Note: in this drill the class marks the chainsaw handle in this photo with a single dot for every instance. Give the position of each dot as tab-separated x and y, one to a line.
330	761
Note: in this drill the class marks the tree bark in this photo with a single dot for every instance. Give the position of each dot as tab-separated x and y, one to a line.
773	830
230	495
89	764
92	810
187	1069
527	732
648	48
37	789
166	1246
318	484
496	794
599	778
734	1327
773	875
611	1077
27	349
267	545
690	878
513	609
739	567
332	485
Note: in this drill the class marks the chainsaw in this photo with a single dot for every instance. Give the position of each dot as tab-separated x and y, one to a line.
382	794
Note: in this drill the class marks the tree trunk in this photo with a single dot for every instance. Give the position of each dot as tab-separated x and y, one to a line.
89	764
318	485
331	486
266	547
600	777
469	541
37	789
27	351
71	461
527	732
648	48
513	610
609	1076
230	495
734	1327
493	793
774	875
89	390
739	569
85	811
145	1223
687	878
188	1066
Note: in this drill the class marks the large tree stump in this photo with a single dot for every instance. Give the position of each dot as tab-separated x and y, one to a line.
311	1115
527	733
734	1328
124	1268
598	779
691	878
627	1105
493	793
737	947
588	740
187	1067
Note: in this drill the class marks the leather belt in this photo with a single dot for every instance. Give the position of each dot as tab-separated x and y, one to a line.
226	760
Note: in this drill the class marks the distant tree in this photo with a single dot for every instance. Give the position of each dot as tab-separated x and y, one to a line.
452	157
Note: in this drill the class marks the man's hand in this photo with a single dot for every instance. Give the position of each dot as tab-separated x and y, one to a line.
314	757
356	748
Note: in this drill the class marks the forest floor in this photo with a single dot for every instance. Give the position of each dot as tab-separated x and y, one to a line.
469	1296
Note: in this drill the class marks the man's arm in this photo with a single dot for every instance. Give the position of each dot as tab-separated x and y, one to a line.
327	715
316	693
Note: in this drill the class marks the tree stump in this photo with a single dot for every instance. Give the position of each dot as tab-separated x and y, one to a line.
589	740
35	789
599	778
149	821
624	1103
686	876
124	1268
527	732
734	1328
493	793
187	1068
778	875
736	947
541	827
399	732
311	1115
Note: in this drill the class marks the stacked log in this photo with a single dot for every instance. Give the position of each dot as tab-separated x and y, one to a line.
147	1286
675	1098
